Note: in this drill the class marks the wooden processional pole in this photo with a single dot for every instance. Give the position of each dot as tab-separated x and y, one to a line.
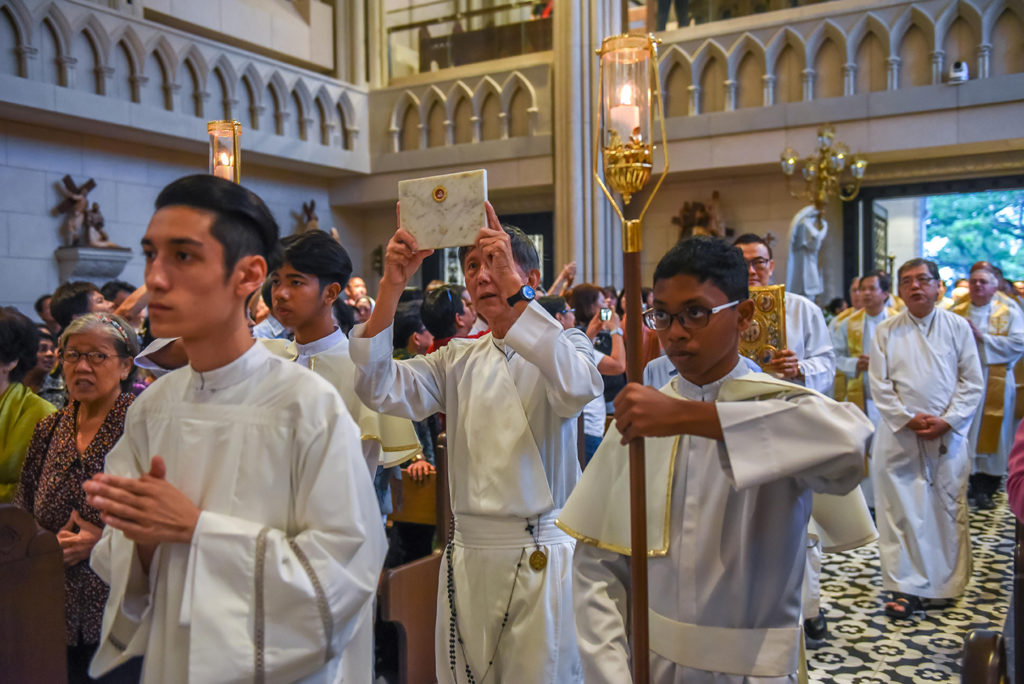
623	143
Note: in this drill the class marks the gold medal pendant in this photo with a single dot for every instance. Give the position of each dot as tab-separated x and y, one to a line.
538	560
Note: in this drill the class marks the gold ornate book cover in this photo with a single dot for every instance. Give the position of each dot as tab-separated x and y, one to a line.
767	332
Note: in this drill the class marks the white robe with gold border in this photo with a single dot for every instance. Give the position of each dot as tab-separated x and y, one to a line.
726	524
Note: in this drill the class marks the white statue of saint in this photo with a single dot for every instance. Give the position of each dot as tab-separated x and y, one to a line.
805	237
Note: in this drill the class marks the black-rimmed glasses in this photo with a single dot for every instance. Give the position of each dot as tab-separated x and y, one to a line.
693	317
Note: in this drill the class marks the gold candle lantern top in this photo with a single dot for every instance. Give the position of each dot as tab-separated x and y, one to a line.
626	67
225	149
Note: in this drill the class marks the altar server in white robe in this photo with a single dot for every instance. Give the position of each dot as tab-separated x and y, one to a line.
926	382
997	324
851	339
242	537
808	360
511	398
732	459
304	287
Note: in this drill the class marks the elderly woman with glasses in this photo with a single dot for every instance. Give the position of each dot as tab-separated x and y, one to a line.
68	448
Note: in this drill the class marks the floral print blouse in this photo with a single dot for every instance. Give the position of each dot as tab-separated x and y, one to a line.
51	487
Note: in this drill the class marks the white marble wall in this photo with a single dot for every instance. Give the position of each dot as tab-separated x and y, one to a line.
33	160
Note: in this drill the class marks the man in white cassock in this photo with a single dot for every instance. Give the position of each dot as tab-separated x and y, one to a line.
303	290
997	325
851	339
511	397
242	540
732	459
926	383
808	360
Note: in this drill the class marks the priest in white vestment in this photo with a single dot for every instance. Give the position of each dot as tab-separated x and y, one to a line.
511	398
851	339
732	459
243	541
926	382
997	324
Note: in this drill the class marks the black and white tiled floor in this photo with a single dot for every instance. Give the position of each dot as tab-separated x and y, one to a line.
866	646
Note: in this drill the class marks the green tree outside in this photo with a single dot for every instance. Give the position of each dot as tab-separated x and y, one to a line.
962	229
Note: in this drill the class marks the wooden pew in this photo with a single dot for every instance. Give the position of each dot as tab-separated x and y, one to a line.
985	656
32	632
408	593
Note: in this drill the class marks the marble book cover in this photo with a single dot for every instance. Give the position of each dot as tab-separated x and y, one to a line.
444	211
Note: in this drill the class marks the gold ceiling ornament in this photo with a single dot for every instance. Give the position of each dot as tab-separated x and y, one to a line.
823	172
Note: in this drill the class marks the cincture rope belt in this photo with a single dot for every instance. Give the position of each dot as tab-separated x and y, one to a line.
751	652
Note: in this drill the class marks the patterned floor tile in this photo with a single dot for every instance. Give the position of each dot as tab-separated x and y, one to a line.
866	647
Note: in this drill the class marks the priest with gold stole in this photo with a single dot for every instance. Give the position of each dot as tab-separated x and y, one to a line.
997	324
926	383
732	459
851	339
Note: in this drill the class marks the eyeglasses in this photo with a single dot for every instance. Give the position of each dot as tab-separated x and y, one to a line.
758	263
693	317
920	280
566	312
93	358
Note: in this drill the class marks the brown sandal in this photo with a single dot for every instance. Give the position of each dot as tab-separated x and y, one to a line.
903	606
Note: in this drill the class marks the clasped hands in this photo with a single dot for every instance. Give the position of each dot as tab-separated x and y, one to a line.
77	538
928	426
149	510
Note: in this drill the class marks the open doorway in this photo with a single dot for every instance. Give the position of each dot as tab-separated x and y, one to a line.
954	223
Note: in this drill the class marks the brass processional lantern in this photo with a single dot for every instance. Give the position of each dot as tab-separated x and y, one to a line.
624	145
225	150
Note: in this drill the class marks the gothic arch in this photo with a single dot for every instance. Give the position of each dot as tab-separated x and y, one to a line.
21	19
869	23
703	55
60	25
349	129
305	99
778	42
405	100
325	113
199	66
486	86
672	56
133	47
745	44
458	92
513	83
166	55
279	101
826	29
97	35
992	14
914	16
228	75
432	95
252	75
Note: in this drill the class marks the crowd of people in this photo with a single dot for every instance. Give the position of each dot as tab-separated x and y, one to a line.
214	451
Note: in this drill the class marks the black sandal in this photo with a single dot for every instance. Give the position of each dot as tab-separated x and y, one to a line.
902	606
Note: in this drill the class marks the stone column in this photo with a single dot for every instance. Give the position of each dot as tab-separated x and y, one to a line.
586	228
809	75
768	80
937	58
849	79
984	59
695	103
893	73
730	95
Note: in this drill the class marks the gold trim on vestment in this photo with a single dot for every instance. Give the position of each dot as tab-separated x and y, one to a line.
995	386
651	553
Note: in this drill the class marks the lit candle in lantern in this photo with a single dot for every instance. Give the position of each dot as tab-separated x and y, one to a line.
625	116
225	149
223	167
